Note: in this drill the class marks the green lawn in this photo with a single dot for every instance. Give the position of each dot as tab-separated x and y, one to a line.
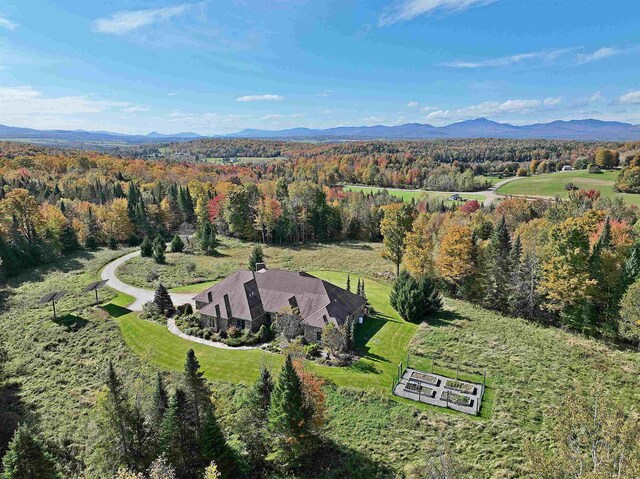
408	195
552	184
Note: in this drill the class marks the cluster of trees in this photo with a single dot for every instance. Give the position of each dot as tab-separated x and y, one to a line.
569	262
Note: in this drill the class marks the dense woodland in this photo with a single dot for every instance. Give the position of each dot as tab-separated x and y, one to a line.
573	264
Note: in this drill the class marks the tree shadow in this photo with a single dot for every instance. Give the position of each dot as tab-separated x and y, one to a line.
4	299
38	273
445	318
13	411
364	367
366	331
114	310
71	322
336	461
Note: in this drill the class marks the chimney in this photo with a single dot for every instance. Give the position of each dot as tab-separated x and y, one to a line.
261	266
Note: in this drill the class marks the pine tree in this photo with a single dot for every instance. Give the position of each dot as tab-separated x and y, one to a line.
255	418
207	236
146	248
631	269
69	238
213	444
160	399
119	411
288	418
177	245
159	250
257	256
359	288
497	268
362	291
163	299
177	439
27	457
349	282
196	388
431	299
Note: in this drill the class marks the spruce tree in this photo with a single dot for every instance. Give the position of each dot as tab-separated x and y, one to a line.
69	239
213	444
146	248
208	239
163	299
119	415
160	399
349	282
159	250
27	457
196	388
362	291
289	421
177	245
256	256
178	441
397	287
498	268
359	288
431	299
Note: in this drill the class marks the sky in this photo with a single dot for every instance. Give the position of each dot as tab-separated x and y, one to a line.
219	66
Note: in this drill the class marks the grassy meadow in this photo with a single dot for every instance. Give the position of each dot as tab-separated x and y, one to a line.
552	184
408	195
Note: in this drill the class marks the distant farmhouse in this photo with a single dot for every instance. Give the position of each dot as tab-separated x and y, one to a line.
249	299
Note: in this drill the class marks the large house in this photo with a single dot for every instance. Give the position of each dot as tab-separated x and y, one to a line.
249	299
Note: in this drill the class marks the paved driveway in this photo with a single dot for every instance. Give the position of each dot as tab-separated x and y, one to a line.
141	295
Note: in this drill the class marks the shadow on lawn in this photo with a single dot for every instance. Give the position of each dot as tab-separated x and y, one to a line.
445	318
366	331
333	460
71	322
13	411
114	310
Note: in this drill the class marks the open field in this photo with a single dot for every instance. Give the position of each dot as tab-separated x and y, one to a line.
408	195
354	257
552	184
242	159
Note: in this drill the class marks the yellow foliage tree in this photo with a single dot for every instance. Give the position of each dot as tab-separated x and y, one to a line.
115	221
455	260
418	255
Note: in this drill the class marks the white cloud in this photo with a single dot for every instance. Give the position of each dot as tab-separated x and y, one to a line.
598	54
494	109
406	10
6	23
429	108
412	104
269	97
547	55
26	106
121	23
630	98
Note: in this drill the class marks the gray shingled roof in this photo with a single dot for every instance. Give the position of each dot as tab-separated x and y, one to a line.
251	294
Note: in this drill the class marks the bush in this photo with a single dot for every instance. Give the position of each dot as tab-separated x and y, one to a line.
570	187
190	267
151	312
112	243
185	309
146	248
234	332
264	333
522	172
152	276
594	169
312	350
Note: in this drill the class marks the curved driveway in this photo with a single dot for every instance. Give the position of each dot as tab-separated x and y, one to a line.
141	295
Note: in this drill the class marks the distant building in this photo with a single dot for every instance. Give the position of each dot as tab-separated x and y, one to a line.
249	299
567	168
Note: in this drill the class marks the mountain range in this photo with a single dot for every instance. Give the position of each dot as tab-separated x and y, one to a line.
588	130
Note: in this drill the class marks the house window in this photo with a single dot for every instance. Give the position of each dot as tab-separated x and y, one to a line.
242	324
318	335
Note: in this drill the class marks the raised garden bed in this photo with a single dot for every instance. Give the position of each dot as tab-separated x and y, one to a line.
425	378
455	398
463	387
418	389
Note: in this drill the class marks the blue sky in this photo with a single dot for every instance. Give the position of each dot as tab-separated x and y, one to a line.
218	66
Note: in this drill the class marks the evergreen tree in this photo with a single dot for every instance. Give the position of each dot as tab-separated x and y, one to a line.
498	268
160	399
257	256
163	299
196	388
146	248
398	286
359	288
208	239
159	250
289	421
349	282
631	269
362	291
69	239
213	445
177	245
27	457
431	299
177	439
255	418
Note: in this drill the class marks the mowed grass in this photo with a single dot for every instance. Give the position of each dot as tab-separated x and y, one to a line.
408	195
552	184
358	258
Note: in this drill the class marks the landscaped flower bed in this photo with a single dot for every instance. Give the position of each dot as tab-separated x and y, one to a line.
455	398
425	378
460	386
416	388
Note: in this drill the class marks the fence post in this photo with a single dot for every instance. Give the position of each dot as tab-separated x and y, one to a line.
484	378
457	369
